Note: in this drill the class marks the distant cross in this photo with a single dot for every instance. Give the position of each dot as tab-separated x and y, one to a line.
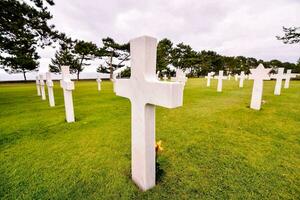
50	89
236	76
209	77
288	77
180	77
220	78
279	77
99	82
38	88
157	75
145	91
258	75
42	84
67	86
165	78
242	78
229	76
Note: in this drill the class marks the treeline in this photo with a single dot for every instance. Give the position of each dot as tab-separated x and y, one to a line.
75	53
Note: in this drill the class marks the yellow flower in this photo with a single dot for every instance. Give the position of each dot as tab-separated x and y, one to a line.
158	146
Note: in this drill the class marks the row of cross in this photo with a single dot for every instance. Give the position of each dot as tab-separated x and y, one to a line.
145	91
258	75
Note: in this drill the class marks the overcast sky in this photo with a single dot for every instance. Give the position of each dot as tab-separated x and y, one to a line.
229	27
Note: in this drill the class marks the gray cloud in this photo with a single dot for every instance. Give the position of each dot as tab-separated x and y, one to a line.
230	27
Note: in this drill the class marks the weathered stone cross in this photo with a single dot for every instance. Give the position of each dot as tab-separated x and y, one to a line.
67	86
258	75
279	77
38	88
50	89
209	77
220	78
145	91
42	84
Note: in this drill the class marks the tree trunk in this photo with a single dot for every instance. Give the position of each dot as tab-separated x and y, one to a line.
111	68
78	75
24	74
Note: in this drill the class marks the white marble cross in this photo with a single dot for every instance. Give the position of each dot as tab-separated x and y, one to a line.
180	77
42	84
165	78
67	86
258	75
99	82
279	77
38	88
220	78
236	76
242	77
209	77
145	91
50	89
288	77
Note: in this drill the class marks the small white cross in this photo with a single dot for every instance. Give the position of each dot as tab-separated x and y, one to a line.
220	78
209	77
145	91
42	84
258	75
68	86
279	77
38	88
242	77
288	77
99	82
50	89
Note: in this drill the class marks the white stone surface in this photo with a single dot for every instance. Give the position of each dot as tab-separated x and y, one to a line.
258	75
99	83
42	84
209	77
145	91
165	78
236	76
38	88
288	77
220	79
68	86
242	77
279	77
50	85
180	77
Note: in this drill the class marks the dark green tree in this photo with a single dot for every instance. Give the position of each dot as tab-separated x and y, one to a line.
112	50
164	50
23	28
85	51
291	35
64	57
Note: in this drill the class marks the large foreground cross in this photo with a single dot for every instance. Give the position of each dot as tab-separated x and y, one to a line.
145	91
67	86
258	75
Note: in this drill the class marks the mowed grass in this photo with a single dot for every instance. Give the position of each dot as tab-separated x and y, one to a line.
215	147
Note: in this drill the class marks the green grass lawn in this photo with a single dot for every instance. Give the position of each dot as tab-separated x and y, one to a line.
215	147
